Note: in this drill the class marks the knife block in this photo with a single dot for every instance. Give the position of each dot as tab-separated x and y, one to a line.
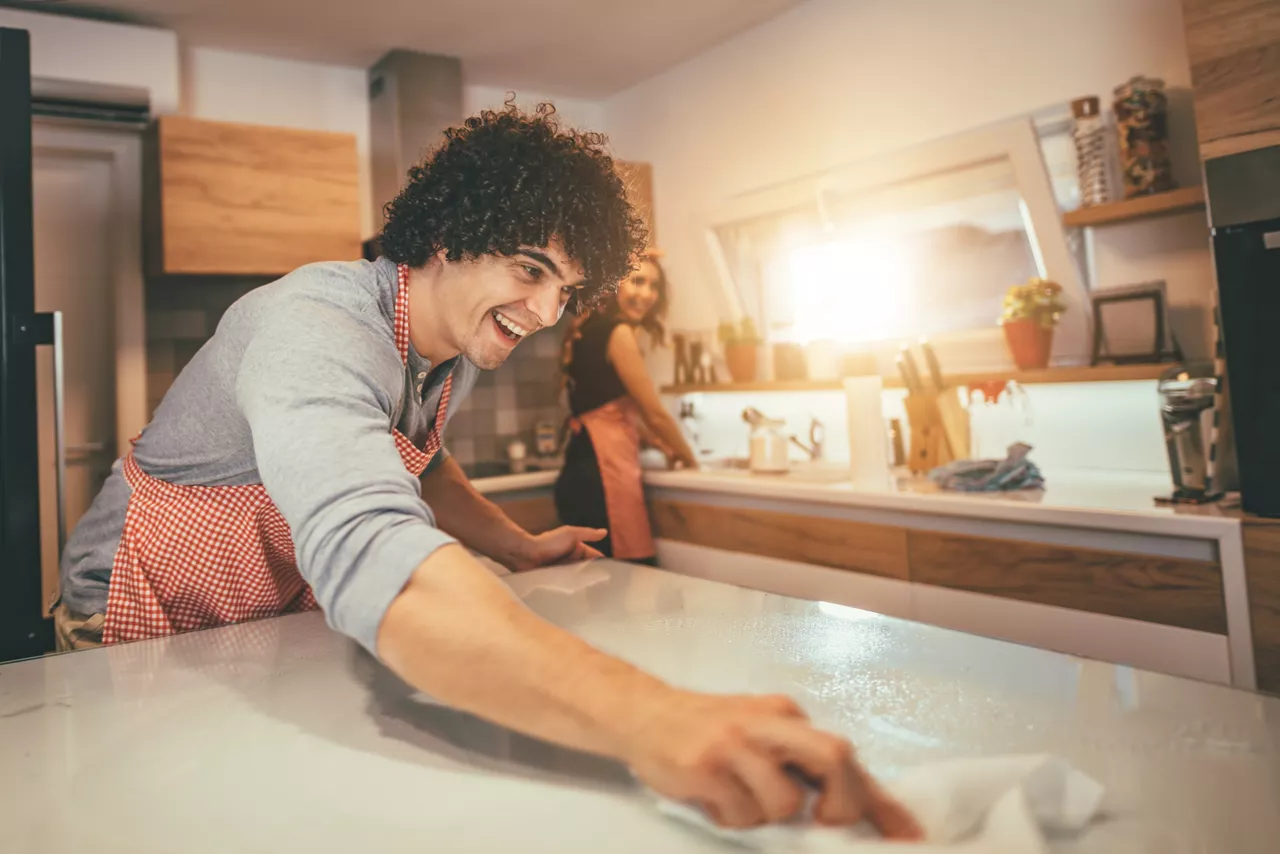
939	429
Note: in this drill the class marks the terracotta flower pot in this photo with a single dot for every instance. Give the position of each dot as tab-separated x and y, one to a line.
1029	342
741	361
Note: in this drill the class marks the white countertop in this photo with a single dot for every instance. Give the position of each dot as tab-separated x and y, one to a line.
515	482
281	735
1117	501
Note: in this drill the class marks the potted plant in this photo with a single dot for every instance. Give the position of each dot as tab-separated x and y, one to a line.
1031	312
741	343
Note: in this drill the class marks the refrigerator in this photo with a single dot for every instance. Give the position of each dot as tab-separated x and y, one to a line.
25	629
1244	212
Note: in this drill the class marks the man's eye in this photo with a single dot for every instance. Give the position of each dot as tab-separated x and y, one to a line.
535	273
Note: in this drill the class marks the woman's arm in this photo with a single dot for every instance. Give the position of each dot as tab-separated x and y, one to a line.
624	354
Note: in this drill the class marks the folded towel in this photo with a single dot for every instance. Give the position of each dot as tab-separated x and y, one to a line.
997	805
1013	472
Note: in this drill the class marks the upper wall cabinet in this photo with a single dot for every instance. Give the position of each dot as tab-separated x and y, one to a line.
1234	49
232	199
638	178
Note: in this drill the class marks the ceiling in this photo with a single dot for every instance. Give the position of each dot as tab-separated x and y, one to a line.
574	48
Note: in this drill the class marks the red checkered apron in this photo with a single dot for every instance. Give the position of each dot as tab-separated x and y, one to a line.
194	557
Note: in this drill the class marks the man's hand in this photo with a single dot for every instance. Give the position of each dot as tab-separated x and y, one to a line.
566	544
741	758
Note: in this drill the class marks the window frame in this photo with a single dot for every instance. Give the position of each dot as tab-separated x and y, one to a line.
1017	142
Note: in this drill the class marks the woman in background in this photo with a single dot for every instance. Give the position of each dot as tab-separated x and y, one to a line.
611	398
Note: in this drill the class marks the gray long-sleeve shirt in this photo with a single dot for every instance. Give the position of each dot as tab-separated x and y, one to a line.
298	390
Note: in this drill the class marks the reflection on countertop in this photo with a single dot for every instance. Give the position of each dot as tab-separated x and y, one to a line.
302	737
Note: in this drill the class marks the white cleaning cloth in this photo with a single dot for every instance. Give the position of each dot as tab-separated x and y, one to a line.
998	805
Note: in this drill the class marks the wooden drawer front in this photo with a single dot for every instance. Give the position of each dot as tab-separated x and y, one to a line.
1262	571
1172	591
873	549
535	515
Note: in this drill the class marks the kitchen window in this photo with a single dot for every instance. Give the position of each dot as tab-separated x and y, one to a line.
920	242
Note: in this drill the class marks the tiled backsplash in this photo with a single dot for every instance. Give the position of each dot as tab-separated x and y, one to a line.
506	403
181	315
1111	426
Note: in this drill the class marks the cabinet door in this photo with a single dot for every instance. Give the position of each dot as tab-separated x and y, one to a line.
638	178
1171	591
1137	643
1262	569
1234	50
237	199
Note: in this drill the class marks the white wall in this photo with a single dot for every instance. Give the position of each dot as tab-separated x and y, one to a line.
832	81
113	54
239	87
574	112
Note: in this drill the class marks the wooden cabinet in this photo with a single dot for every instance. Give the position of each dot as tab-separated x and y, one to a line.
840	544
236	199
638	178
1171	591
535	513
1262	572
1178	592
1234	50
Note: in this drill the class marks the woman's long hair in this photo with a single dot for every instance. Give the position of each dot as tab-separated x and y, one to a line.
653	321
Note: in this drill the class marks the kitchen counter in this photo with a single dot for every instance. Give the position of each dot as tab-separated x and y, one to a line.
514	482
1089	565
1101	500
282	735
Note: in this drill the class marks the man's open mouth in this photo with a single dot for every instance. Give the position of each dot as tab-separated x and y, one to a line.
508	327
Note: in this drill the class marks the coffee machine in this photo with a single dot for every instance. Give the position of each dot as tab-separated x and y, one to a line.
1187	395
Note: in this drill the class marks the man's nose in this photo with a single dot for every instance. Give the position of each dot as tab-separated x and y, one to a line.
545	304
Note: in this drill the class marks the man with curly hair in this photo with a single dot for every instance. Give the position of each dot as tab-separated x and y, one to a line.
296	463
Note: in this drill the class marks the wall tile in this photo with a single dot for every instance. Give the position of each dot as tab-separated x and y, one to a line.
508	422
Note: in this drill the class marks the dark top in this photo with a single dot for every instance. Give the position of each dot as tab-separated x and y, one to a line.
592	380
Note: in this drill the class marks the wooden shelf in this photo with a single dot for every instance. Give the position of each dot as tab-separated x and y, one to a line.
1160	204
1084	374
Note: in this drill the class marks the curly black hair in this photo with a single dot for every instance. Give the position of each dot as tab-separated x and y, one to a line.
507	178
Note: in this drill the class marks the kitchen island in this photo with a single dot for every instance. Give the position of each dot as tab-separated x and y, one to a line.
281	735
1090	566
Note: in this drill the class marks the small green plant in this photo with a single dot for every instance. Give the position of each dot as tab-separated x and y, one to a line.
744	332
1039	300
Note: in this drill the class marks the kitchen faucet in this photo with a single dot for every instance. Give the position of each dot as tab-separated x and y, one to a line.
814	449
817	440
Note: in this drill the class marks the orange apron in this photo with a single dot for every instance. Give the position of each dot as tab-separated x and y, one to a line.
195	557
613	433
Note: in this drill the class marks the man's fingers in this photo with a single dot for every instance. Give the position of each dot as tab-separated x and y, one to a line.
826	760
586	535
778	795
731	804
890	817
589	553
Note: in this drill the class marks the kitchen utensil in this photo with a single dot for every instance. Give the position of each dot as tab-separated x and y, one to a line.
1090	137
910	370
789	363
931	361
769	445
545	438
1141	110
909	382
769	448
868	443
1186	408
